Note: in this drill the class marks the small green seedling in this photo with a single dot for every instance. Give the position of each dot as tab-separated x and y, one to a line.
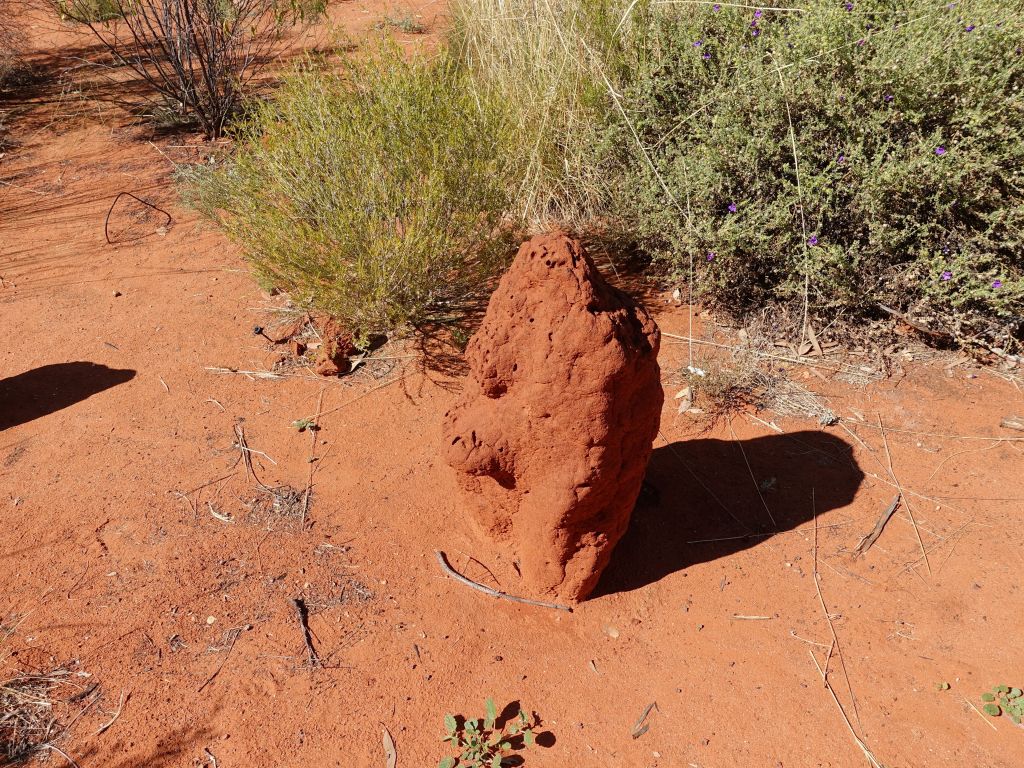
1004	700
942	686
303	424
482	743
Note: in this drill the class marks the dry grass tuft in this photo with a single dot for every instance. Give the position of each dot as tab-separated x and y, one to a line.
279	508
28	723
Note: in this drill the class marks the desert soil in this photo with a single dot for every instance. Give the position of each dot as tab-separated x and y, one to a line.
136	549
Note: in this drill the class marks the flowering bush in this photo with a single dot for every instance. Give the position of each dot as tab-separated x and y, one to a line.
868	152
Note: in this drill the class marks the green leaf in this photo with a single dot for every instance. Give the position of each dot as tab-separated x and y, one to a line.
446	762
513	729
529	738
492	712
471	726
450	724
987	697
1003	701
1015	693
496	761
1002	689
504	745
1015	718
992	709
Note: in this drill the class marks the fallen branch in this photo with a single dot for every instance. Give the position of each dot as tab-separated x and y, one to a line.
443	562
865	543
302	614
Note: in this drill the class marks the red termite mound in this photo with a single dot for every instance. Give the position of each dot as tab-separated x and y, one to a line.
556	422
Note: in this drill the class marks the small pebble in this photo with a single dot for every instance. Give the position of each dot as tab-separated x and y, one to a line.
210	619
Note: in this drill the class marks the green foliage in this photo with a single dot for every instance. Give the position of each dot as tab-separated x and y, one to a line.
407	24
92	10
1004	700
375	194
907	121
482	743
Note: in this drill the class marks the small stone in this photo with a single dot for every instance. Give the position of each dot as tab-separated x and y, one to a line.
612	632
210	619
116	294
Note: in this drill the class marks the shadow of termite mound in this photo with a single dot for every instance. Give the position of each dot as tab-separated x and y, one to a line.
702	489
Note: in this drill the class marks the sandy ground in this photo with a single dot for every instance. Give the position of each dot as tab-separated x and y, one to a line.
129	552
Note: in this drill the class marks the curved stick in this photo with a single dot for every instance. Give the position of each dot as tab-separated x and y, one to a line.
443	561
106	221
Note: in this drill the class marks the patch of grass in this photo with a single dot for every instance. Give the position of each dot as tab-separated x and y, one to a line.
547	59
406	24
375	193
83	11
28	725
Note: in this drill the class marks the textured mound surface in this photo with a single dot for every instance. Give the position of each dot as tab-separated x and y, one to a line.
553	431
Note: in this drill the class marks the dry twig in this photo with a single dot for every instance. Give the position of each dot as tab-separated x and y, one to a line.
870	538
302	614
910	511
443	561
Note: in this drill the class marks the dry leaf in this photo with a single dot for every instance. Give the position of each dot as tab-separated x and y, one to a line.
389	749
685	398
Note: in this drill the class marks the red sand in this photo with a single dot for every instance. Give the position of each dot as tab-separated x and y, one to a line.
106	562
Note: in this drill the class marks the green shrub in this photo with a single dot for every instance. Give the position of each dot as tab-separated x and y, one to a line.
83	11
375	194
908	123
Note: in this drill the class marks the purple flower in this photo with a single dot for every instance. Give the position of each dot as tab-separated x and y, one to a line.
861	41
706	56
711	256
698	44
812	240
755	31
940	151
716	7
947	275
848	6
842	159
997	284
888	97
758	13
732	207
969	28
